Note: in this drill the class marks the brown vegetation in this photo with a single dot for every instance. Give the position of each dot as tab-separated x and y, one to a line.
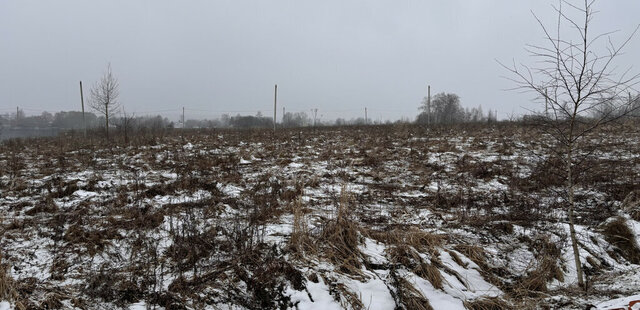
211	221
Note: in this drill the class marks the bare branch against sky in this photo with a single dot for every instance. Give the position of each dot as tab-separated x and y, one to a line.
225	56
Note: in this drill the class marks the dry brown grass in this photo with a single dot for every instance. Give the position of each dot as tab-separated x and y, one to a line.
410	297
536	281
488	303
5	284
594	263
619	235
424	242
347	298
457	259
432	274
300	241
548	255
396	154
475	253
631	204
406	256
341	236
7	291
405	246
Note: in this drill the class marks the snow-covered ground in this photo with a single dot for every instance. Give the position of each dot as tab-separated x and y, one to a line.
383	218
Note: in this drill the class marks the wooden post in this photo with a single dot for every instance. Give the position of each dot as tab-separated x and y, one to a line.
365	116
84	123
17	113
283	116
275	103
182	117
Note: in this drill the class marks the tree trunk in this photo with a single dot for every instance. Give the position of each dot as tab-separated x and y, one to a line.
572	230
106	115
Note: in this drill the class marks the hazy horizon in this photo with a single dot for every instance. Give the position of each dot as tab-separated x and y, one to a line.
224	57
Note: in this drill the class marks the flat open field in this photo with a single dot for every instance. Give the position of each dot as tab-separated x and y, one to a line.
379	217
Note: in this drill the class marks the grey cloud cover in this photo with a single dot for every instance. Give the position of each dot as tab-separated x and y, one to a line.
224	56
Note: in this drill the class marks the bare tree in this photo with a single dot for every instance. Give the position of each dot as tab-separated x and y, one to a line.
104	96
580	87
126	124
444	108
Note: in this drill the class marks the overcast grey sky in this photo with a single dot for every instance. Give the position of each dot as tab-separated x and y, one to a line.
217	57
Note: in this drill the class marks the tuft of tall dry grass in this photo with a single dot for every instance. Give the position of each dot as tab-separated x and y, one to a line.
618	234
407	257
475	253
300	241
408	296
341	236
487	303
7	291
422	241
347	298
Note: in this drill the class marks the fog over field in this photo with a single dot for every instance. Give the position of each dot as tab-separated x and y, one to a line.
216	57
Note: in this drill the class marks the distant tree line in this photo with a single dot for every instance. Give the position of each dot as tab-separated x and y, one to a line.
604	112
73	120
445	108
608	110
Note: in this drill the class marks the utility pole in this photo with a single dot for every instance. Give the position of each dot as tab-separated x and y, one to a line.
182	117
275	103
17	113
283	116
315	113
84	123
365	116
429	104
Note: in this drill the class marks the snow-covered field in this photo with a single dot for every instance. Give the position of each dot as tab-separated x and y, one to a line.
393	217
